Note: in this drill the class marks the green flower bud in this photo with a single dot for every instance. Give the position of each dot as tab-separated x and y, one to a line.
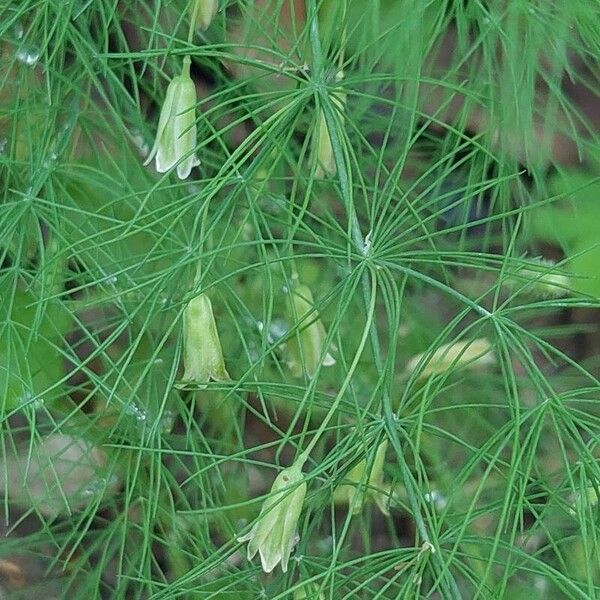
307	346
176	136
540	280
588	499
362	487
202	353
474	354
203	12
325	158
274	534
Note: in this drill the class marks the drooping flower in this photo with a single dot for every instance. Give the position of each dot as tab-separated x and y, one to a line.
307	346
203	12
325	158
473	354
274	534
202	352
362	488
539	278
176	135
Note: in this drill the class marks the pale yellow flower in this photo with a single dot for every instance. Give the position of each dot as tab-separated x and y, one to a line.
204	11
588	500
202	352
325	158
362	487
274	534
473	354
540	279
176	135
307	346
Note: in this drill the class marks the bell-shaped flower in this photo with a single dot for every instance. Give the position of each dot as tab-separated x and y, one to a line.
203	12
539	278
325	157
475	354
202	352
176	136
363	485
274	534
307	345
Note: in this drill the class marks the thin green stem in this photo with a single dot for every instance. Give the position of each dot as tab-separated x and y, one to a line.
342	51
203	223
192	27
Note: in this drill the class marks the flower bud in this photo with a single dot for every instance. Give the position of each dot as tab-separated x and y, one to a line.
176	136
584	501
307	345
356	492
539	280
474	354
274	533
325	158
203	12
202	353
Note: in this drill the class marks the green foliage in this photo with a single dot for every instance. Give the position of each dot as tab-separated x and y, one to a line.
31	360
573	223
119	482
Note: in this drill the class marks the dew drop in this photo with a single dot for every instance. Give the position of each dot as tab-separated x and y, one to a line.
28	56
110	279
94	487
30	400
139	141
367	245
277	330
437	499
135	411
50	160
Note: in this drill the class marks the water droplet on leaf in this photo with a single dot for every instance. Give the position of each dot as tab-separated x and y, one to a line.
28	56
